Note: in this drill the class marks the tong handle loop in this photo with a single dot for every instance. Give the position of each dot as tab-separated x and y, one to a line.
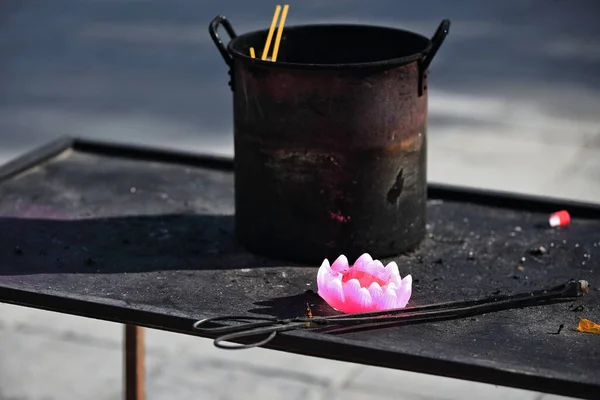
218	342
262	322
272	330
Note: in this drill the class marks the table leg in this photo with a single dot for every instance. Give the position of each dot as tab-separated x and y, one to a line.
134	362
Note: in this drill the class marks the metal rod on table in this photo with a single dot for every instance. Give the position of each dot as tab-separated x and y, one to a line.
134	362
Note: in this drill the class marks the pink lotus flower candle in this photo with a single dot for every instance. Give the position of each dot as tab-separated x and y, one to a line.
366	286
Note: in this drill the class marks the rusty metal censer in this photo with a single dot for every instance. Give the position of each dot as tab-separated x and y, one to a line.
330	139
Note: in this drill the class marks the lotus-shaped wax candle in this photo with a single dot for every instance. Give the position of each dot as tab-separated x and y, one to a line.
366	286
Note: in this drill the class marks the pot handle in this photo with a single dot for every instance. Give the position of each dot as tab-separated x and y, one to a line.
436	41
212	29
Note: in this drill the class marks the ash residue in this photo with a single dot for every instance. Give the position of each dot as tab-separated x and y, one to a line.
471	249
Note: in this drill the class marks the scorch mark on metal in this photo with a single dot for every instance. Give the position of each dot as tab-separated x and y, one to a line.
396	189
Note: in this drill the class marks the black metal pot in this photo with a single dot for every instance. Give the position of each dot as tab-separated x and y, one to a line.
330	140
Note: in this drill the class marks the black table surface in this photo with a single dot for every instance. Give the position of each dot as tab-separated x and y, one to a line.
145	237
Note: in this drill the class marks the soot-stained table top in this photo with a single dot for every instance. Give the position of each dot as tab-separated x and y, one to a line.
88	231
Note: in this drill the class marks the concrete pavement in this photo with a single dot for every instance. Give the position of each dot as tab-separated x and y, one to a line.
514	106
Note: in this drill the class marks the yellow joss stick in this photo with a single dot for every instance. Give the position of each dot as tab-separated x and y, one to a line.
271	30
280	32
252	54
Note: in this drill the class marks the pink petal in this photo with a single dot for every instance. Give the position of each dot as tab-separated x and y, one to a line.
377	270
323	270
376	292
333	293
394	273
351	289
403	297
357	298
364	302
404	292
341	264
325	273
362	261
387	301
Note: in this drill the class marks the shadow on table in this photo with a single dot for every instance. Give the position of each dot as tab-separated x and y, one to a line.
293	306
123	244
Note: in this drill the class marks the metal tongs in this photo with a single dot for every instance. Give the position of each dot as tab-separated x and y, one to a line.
433	312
